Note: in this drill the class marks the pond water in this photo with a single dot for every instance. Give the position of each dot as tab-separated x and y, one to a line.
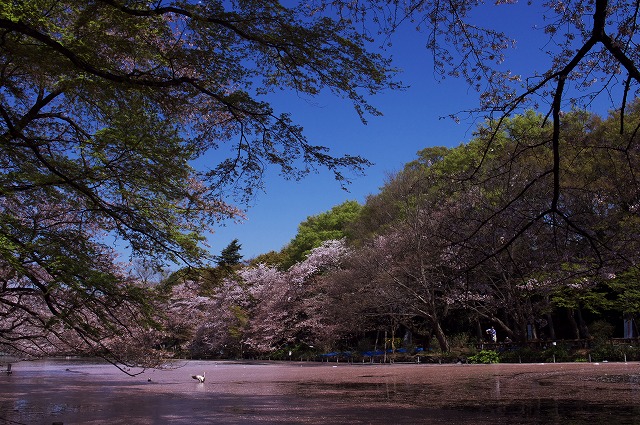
86	392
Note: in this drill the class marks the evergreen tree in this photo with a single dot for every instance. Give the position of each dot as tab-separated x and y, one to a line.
230	256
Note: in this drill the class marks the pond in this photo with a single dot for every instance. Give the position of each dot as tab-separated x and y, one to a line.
86	392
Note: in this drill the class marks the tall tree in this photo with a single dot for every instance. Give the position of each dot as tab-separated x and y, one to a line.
453	235
591	58
289	308
230	255
104	107
330	225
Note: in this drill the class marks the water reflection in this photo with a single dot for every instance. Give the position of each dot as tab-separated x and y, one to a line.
564	412
481	399
288	393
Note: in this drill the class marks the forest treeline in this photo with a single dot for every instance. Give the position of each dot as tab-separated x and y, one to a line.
536	239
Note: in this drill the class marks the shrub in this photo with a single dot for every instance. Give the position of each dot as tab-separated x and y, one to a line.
558	353
485	357
601	330
614	353
521	355
460	341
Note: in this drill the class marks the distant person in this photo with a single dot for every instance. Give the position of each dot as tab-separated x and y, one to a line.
492	334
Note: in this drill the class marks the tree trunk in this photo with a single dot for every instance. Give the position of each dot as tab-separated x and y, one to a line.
479	333
552	329
584	330
393	344
441	337
503	327
384	359
574	325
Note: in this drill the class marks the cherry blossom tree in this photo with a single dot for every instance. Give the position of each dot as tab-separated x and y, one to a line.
200	323
68	297
105	107
287	306
271	310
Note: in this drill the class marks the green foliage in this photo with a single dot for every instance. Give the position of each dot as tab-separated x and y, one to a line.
612	353
626	287
521	355
562	352
530	354
177	277
485	357
331	225
460	341
107	106
556	353
271	258
211	278
230	255
242	319
589	295
601	331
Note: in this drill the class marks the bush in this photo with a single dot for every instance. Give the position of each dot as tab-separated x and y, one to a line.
556	353
615	353
460	341
485	357
601	330
633	353
522	355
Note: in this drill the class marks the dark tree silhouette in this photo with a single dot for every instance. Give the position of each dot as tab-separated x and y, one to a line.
230	255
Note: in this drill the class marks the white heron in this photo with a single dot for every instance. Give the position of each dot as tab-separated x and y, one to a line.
200	378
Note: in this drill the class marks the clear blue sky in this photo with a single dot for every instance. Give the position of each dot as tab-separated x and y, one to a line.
412	121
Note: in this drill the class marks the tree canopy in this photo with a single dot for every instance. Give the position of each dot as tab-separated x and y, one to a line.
331	225
106	105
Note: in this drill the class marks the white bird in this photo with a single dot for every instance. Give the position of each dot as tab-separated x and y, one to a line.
200	378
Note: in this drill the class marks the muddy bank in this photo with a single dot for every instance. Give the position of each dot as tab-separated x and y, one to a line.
76	392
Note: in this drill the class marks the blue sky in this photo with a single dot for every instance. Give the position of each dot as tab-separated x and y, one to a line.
411	121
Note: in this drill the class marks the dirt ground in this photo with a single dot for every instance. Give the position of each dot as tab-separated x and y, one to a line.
81	392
